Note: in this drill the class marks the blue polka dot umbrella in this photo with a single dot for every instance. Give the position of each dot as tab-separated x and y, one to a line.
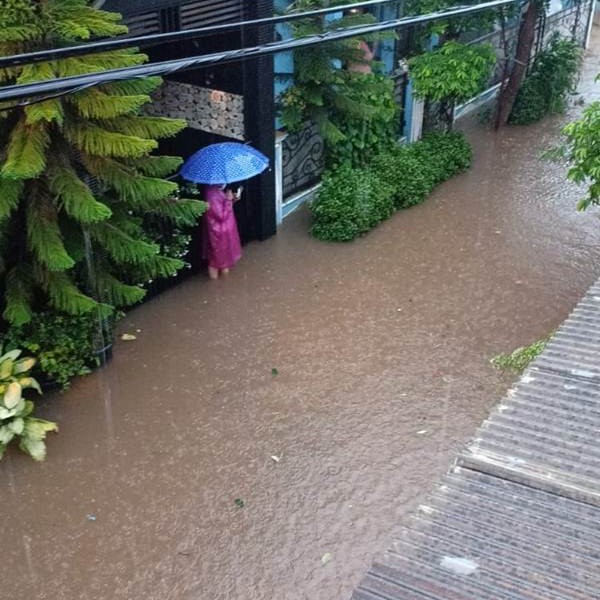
224	163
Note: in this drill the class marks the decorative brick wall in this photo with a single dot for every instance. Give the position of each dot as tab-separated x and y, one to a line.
208	110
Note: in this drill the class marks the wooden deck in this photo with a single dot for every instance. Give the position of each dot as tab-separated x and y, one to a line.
518	516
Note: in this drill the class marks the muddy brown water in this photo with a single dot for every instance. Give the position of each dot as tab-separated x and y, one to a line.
382	350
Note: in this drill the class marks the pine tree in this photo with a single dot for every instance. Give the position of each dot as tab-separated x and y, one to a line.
77	173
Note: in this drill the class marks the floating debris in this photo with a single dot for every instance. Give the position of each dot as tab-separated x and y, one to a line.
459	565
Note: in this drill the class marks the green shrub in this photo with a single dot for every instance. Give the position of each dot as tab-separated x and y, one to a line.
414	170
410	178
552	77
447	153
451	74
530	105
65	345
350	203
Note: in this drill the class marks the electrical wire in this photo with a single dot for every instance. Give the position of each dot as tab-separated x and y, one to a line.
73	84
145	41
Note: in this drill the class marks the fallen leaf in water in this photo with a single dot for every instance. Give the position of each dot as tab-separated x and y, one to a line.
276	458
326	558
128	337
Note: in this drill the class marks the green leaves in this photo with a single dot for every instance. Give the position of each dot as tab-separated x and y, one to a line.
95	140
64	344
26	155
66	296
552	77
15	419
353	111
96	104
33	436
156	166
583	153
80	165
76	197
140	192
349	203
10	195
145	127
44	235
518	360
18	295
452	74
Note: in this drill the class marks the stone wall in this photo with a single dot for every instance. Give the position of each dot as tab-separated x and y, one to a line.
208	110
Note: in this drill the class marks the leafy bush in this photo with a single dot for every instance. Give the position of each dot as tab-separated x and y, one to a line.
414	170
446	154
16	421
553	76
582	152
66	345
518	360
349	203
411	178
451	74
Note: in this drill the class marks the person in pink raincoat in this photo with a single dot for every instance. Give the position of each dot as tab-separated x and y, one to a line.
221	239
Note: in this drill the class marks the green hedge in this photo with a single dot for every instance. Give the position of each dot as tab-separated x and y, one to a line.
351	202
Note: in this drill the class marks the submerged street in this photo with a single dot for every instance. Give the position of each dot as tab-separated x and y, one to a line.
264	431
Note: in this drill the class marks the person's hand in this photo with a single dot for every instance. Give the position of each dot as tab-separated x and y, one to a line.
230	195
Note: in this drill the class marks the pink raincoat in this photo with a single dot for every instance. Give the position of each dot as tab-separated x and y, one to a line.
221	240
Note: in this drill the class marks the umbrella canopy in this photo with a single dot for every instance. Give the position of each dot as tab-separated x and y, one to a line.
224	163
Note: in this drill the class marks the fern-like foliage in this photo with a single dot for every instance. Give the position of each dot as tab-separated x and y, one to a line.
76	197
26	153
18	295
10	194
77	178
44	235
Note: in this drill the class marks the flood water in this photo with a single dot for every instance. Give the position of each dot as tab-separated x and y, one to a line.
381	349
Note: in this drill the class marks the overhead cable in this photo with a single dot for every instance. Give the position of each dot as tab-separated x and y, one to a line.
146	41
68	85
